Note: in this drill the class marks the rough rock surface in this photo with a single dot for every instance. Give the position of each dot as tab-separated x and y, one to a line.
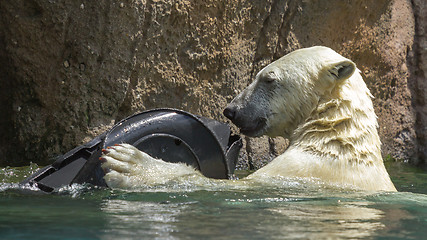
70	69
418	78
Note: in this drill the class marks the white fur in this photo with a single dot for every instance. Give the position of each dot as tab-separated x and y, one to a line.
127	167
313	96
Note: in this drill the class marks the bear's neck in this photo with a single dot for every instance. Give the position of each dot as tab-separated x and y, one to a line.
342	127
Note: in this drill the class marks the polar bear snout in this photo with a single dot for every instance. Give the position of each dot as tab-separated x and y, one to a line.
249	125
230	113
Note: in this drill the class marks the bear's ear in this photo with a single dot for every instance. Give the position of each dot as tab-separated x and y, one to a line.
342	70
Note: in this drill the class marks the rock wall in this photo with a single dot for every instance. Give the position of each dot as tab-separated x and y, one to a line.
418	78
70	69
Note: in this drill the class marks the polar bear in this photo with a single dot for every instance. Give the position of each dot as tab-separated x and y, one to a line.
317	99
314	97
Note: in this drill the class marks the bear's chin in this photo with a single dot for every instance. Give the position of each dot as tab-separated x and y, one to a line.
255	130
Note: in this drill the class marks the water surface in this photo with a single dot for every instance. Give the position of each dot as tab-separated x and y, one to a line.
291	210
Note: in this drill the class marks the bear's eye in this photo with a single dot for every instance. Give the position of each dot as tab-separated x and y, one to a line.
270	77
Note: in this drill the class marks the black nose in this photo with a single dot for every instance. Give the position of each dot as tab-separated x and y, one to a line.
230	113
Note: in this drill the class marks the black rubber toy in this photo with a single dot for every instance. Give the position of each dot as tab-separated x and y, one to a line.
168	134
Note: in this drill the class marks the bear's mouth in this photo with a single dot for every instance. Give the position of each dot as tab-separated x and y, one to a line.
254	130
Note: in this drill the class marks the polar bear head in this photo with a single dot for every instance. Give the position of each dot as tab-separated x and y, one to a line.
286	92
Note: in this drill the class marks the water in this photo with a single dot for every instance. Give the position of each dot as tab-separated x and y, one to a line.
291	210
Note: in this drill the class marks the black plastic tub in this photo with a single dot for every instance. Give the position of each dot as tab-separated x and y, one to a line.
168	134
